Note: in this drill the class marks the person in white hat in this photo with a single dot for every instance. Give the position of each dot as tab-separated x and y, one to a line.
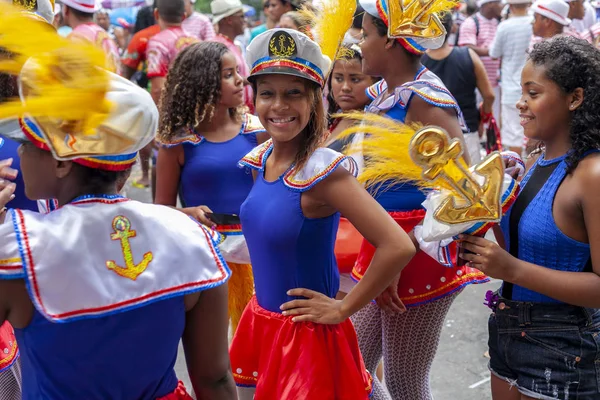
408	93
228	16
121	284
478	33
554	17
294	340
79	15
510	47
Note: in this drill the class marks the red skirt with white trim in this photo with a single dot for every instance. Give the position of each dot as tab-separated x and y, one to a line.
286	360
424	279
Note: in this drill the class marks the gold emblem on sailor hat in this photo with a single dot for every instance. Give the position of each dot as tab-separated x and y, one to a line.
283	45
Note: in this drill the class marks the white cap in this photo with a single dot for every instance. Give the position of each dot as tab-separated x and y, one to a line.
482	2
88	6
224	8
287	52
556	10
519	1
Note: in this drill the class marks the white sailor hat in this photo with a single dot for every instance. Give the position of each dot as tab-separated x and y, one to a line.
287	52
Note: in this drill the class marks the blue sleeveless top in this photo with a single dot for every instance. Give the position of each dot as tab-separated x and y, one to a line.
59	363
540	241
405	196
287	249
9	149
210	175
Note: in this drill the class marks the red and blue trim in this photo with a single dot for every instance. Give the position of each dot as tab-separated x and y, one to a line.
303	66
109	163
409	44
163	294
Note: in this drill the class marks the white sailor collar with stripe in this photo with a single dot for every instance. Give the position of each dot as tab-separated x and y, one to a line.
318	167
250	126
426	85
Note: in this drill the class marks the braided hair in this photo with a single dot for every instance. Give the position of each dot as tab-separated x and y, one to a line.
574	63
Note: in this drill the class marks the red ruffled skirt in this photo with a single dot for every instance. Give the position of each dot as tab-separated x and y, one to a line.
424	279
286	360
179	394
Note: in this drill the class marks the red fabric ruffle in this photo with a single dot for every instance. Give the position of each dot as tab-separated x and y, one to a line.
178	394
423	279
286	360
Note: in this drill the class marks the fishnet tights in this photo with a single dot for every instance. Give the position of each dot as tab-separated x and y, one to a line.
408	343
10	382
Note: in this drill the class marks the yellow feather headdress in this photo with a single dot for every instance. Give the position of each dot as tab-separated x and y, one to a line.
60	80
331	23
386	150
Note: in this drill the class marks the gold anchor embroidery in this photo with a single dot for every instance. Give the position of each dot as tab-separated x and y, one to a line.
123	232
277	46
414	19
430	149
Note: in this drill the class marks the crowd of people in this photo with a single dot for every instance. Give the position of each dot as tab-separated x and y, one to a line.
241	133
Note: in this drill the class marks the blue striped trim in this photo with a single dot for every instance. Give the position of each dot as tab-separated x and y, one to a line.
295	59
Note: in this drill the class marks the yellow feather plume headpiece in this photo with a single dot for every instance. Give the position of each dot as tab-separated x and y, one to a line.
396	153
331	22
386	151
61	81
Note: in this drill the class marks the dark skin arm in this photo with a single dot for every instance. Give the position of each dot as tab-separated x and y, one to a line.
157	84
127	71
206	346
424	113
394	249
168	175
576	288
480	51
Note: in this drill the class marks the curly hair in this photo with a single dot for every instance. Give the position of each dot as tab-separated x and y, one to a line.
314	133
192	90
574	63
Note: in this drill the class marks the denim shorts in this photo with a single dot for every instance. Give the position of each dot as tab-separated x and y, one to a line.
547	351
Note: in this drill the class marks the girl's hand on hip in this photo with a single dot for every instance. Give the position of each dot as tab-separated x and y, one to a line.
315	307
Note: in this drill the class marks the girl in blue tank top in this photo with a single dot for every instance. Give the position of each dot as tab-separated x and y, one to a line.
295	340
203	133
544	332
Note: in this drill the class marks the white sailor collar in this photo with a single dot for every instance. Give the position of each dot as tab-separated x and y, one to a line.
318	167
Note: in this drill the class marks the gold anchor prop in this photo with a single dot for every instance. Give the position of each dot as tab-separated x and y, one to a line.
470	200
122	232
417	18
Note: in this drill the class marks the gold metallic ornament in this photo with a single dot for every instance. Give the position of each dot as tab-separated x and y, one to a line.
439	158
29	5
414	19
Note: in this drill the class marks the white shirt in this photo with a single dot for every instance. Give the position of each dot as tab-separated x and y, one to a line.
511	44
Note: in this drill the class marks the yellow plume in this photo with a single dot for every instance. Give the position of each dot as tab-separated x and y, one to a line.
60	79
385	149
331	24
